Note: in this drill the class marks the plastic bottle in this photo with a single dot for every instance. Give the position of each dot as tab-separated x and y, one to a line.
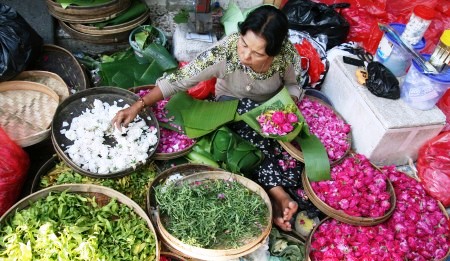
441	54
418	23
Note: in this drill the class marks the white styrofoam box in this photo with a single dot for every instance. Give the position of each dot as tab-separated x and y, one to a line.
185	50
384	130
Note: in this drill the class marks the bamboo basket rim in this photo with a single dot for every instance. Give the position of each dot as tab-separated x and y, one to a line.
298	154
52	54
341	215
79	14
121	37
25	126
127	26
165	174
62	90
82	189
201	253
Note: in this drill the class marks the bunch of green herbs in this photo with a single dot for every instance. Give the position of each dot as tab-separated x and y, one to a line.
135	186
70	226
213	214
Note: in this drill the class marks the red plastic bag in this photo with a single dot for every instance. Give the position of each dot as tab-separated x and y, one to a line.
316	67
203	89
14	163
433	165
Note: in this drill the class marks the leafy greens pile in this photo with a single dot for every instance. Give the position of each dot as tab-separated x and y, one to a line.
212	214
69	226
134	186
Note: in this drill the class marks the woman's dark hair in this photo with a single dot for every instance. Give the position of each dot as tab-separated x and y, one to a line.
270	23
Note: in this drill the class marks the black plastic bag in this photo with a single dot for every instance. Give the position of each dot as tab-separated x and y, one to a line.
19	43
317	18
382	82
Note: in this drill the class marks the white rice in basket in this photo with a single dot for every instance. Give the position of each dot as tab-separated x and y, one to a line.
88	132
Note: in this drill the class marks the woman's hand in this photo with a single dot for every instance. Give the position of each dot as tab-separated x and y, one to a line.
125	116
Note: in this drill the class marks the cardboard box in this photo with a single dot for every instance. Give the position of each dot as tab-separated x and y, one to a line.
384	130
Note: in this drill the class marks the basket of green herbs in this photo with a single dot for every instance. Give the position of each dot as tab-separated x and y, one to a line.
77	222
134	185
213	215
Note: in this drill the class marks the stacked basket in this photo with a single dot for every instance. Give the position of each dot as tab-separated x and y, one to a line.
103	23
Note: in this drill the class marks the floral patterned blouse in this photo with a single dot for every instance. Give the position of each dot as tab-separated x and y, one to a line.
235	79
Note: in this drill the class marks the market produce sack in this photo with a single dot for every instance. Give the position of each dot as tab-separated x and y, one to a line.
317	18
382	82
433	165
14	163
19	43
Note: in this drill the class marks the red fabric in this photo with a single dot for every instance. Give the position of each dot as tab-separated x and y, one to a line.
203	89
14	163
433	165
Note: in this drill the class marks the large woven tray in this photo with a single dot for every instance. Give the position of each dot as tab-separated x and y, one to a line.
49	79
26	111
76	104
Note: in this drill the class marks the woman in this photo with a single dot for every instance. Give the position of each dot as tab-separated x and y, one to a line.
251	66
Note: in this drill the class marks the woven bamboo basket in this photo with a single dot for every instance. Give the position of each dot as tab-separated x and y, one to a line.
173	256
113	29
341	215
87	14
103	196
49	79
120	37
219	254
76	104
298	154
27	111
60	61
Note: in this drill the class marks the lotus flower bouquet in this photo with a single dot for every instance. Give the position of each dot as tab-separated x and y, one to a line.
278	121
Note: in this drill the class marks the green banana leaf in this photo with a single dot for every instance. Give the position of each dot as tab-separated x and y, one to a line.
66	3
160	55
279	101
199	117
232	16
136	9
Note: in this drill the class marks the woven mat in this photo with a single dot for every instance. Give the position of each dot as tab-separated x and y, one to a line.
26	110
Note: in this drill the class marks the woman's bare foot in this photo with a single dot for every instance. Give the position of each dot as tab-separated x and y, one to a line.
283	206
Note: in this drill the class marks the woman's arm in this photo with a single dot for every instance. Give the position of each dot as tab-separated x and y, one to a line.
125	116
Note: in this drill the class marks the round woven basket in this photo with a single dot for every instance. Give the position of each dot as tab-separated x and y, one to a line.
113	29
87	14
103	196
171	173
76	104
298	154
341	215
219	254
27	110
60	61
118	37
49	79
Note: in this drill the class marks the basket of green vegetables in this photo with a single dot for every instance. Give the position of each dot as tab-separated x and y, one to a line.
77	222
135	186
213	215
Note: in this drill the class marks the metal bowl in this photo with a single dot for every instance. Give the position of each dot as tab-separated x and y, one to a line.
76	104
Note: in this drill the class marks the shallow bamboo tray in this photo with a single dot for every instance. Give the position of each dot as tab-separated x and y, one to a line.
87	14
27	110
113	29
49	79
102	194
341	215
60	61
298	154
120	37
216	254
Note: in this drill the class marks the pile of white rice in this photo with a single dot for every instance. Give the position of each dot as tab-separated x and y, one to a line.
88	132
